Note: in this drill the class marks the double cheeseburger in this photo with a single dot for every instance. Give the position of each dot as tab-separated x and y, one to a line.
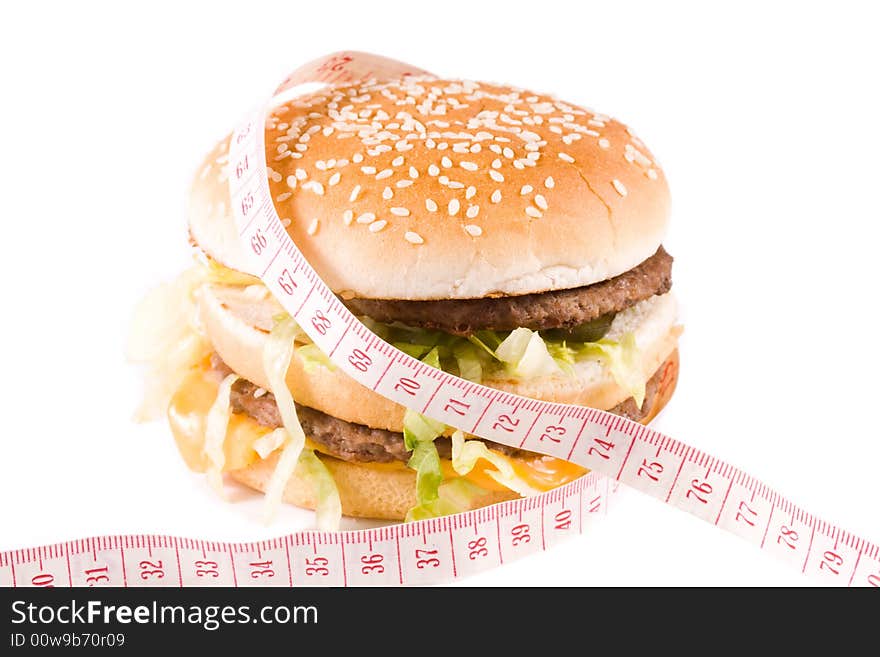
499	234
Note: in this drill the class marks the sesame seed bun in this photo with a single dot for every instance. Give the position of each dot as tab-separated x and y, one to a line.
439	189
232	325
387	492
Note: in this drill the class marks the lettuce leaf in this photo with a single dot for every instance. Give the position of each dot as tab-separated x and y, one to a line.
313	358
265	445
426	462
418	428
165	336
217	273
328	508
466	453
454	496
526	354
277	353
469	361
216	423
622	358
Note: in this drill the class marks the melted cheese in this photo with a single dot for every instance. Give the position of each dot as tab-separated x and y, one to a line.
189	407
187	414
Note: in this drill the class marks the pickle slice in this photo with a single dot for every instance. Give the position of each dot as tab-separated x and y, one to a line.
591	331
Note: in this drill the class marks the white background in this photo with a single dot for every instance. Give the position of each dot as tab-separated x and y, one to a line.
766	122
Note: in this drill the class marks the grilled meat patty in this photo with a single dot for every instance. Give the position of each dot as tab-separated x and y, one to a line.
538	311
361	444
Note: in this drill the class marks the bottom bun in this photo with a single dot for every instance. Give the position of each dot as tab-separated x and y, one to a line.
387	492
365	491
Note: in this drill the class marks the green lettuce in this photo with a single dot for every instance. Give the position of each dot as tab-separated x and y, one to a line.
454	496
328	509
622	358
313	358
429	475
466	453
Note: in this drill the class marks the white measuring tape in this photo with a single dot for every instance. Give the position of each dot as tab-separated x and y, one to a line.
615	449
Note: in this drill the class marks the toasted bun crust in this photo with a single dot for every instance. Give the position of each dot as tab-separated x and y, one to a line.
439	189
229	327
386	492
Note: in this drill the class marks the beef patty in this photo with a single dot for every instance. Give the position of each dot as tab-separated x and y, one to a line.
538	311
361	444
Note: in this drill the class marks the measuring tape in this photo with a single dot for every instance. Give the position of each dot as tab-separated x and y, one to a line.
613	448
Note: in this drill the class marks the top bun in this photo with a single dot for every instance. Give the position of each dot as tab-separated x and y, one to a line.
446	189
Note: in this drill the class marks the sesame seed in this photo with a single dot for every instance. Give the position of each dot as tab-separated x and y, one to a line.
400	212
651	174
387	193
473	230
368	170
443	180
385	173
291	181
454	206
533	212
430	205
413	172
496	163
301	174
433	170
495	175
334	179
403	183
549	183
366	218
283	197
397	161
313	227
348	217
376	226
540	201
566	157
520	164
508	152
469	166
320	164
259	392
470	193
413	238
315	186
446	162
619	187
604	143
285	222
472	211
357	158
496	196
354	193
526	189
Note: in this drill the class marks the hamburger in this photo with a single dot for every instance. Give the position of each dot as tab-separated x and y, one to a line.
496	233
